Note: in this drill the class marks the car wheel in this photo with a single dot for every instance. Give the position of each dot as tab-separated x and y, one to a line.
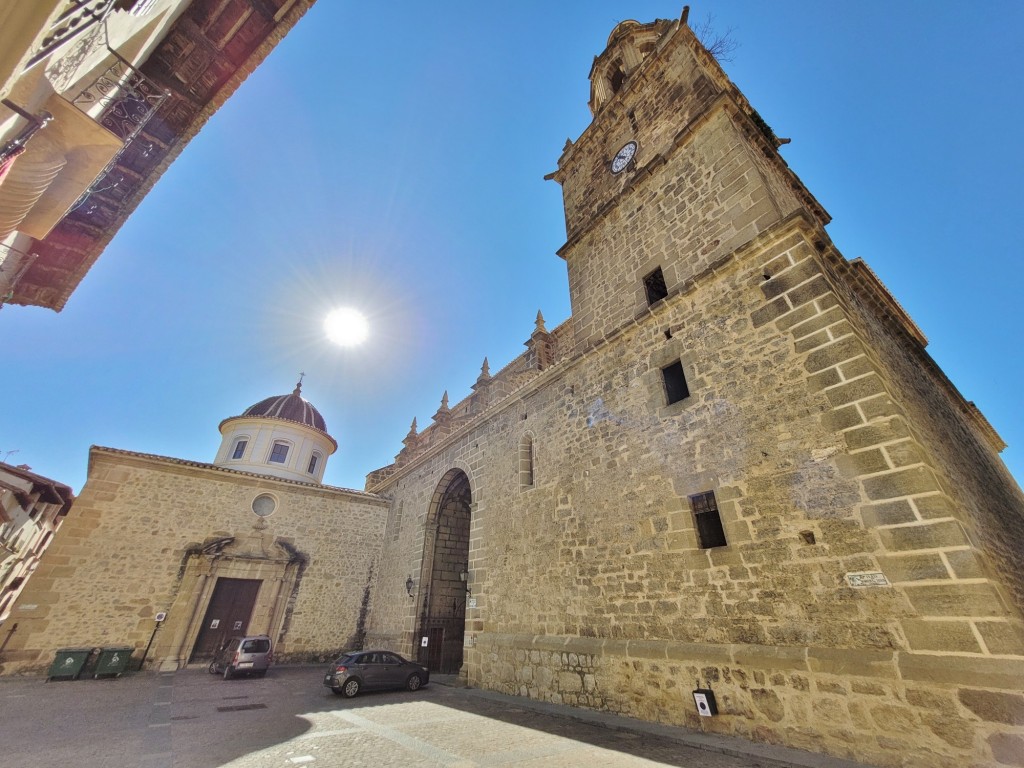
228	672
350	688
213	667
414	683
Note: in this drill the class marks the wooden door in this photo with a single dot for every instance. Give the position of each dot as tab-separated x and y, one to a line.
227	615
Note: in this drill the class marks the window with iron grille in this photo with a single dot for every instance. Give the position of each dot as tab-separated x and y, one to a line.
710	532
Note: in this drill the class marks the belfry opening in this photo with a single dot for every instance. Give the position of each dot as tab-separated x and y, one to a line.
446	568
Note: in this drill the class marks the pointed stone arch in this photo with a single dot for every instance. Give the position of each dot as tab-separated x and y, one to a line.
445	573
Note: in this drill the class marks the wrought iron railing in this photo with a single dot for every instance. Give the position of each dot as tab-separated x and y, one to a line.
128	99
76	18
126	96
121	99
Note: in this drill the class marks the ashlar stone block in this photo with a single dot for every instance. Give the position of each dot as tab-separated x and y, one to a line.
954	636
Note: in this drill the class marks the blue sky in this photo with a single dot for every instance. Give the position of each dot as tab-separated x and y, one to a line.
394	162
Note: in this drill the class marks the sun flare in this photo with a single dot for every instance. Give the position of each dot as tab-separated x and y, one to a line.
346	327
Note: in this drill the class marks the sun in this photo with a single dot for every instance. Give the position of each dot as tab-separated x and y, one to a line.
346	327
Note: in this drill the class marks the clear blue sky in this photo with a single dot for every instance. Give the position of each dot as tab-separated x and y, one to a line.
394	160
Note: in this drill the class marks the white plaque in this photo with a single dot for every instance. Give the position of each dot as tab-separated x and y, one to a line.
423	642
472	602
701	700
867	579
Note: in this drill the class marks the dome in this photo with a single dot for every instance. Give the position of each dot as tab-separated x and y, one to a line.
291	407
283	436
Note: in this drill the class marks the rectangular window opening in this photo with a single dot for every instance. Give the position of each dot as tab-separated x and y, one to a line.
654	286
279	454
675	382
710	532
239	449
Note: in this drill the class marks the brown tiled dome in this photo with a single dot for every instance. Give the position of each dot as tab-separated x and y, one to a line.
291	407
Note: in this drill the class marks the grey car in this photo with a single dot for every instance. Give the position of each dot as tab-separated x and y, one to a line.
250	655
355	671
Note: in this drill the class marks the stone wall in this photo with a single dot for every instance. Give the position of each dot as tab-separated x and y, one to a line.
973	489
150	534
857	704
923	505
591	586
866	603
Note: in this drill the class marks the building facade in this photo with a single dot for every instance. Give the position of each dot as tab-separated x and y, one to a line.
173	557
32	509
97	99
734	468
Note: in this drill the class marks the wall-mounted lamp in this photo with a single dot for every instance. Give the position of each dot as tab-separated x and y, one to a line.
409	585
464	578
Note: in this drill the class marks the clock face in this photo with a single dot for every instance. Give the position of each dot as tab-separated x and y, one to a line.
623	157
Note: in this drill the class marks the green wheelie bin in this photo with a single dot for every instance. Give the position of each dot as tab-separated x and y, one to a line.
68	663
113	661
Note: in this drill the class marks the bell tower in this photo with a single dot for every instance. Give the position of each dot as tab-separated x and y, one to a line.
675	172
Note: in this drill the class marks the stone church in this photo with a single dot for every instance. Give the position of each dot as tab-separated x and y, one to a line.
250	543
733	468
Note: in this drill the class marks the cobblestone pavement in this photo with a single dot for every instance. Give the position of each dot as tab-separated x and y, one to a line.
191	719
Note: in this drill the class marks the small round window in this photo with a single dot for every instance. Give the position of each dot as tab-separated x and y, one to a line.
264	504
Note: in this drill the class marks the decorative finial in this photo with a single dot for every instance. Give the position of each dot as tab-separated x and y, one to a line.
540	323
485	370
444	412
412	438
298	386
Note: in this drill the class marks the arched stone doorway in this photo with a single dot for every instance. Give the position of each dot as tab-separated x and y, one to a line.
229	586
442	618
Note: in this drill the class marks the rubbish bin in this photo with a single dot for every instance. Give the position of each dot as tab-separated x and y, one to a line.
113	661
68	663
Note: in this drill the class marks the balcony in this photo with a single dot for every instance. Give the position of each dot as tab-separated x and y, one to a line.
72	158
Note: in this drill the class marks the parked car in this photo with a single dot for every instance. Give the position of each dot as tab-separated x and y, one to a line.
358	670
250	655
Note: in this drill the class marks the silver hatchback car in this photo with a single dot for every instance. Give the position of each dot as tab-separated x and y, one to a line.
366	670
250	655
